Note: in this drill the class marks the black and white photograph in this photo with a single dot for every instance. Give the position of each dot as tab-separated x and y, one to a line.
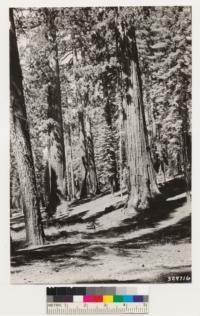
100	144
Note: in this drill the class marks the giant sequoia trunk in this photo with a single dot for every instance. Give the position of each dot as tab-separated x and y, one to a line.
56	159
22	146
143	187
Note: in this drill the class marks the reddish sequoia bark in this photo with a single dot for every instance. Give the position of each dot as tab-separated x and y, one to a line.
143	187
22	146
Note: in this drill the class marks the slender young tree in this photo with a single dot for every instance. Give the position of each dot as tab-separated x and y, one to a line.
112	168
71	163
22	146
67	169
143	187
84	156
93	180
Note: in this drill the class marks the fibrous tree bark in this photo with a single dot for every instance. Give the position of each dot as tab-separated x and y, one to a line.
22	146
143	187
56	150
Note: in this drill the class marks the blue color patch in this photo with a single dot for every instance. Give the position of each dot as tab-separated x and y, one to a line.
127	298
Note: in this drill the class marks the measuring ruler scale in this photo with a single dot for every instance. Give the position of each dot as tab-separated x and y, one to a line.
99	300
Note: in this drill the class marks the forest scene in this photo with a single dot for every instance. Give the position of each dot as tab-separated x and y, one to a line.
100	144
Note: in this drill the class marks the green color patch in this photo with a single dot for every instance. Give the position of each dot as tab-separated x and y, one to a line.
117	298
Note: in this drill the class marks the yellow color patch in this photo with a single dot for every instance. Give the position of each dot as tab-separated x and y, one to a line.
107	298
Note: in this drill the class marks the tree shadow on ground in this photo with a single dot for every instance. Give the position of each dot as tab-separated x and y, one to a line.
55	222
172	187
61	254
144	219
60	235
16	244
68	219
172	234
106	211
89	199
46	253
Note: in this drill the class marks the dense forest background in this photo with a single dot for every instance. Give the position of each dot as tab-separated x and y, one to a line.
100	102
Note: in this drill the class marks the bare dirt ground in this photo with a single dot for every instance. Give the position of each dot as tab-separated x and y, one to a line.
100	241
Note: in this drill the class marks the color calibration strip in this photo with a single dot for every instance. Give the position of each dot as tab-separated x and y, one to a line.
107	300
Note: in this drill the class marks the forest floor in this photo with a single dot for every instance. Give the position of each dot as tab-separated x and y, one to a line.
99	241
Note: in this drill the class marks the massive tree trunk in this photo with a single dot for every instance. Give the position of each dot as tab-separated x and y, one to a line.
143	187
56	161
22	146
